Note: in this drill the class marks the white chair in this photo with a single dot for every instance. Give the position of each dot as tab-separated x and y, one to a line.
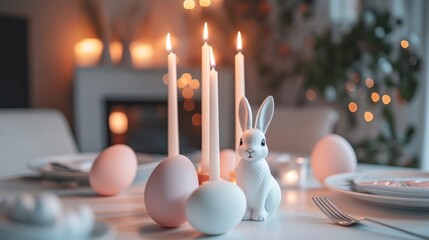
26	134
297	130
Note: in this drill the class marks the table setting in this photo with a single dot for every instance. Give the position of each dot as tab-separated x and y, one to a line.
246	193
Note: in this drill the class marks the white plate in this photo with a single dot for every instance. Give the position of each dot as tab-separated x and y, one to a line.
83	162
18	231
392	186
342	183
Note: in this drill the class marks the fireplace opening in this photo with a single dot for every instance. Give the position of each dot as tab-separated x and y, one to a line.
142	124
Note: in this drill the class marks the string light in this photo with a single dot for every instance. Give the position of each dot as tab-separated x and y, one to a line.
369	82
165	79
181	84
196	119
405	44
189	105
386	99
205	3
375	97
189	4
368	116
187	93
194	84
353	107
310	94
350	86
186	78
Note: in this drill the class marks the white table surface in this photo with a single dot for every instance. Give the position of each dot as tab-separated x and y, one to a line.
297	217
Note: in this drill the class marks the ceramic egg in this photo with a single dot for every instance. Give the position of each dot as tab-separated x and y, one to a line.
216	207
331	155
228	162
113	170
43	208
168	189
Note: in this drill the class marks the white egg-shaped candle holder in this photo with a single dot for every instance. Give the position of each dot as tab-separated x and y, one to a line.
216	207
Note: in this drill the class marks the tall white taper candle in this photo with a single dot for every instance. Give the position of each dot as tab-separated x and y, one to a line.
214	122
239	88
173	126
205	102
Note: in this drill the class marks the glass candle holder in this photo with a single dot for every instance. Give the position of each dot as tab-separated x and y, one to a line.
292	172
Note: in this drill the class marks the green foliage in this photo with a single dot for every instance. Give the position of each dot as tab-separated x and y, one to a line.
341	63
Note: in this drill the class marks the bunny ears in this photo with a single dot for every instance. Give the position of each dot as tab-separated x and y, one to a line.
263	117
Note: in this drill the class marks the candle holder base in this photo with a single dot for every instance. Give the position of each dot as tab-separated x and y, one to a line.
232	177
203	177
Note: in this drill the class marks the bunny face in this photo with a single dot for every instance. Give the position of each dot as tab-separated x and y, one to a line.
253	145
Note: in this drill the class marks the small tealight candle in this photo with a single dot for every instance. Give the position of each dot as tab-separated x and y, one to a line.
88	52
293	172
141	55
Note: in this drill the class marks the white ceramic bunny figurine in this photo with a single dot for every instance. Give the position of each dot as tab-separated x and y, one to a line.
262	191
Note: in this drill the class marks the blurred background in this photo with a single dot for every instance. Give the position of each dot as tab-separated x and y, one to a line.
91	59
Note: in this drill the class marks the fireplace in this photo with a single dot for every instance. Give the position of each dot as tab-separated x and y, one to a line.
101	91
141	124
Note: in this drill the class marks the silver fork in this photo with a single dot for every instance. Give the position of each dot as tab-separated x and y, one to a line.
342	218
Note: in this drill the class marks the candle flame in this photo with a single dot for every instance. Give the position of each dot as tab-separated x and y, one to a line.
168	43
206	33
212	59
239	43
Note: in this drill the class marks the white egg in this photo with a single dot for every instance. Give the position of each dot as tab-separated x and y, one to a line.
23	208
216	207
332	155
47	209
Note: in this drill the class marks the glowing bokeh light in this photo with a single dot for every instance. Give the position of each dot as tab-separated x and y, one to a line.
369	82
187	93
353	107
194	84
368	116
118	122
290	177
375	97
189	4
189	105
405	44
205	3
310	94
196	119
386	99
186	78
181	84
350	86
165	79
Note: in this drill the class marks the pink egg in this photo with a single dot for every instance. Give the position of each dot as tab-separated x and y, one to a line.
228	163
113	170
331	155
168	189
